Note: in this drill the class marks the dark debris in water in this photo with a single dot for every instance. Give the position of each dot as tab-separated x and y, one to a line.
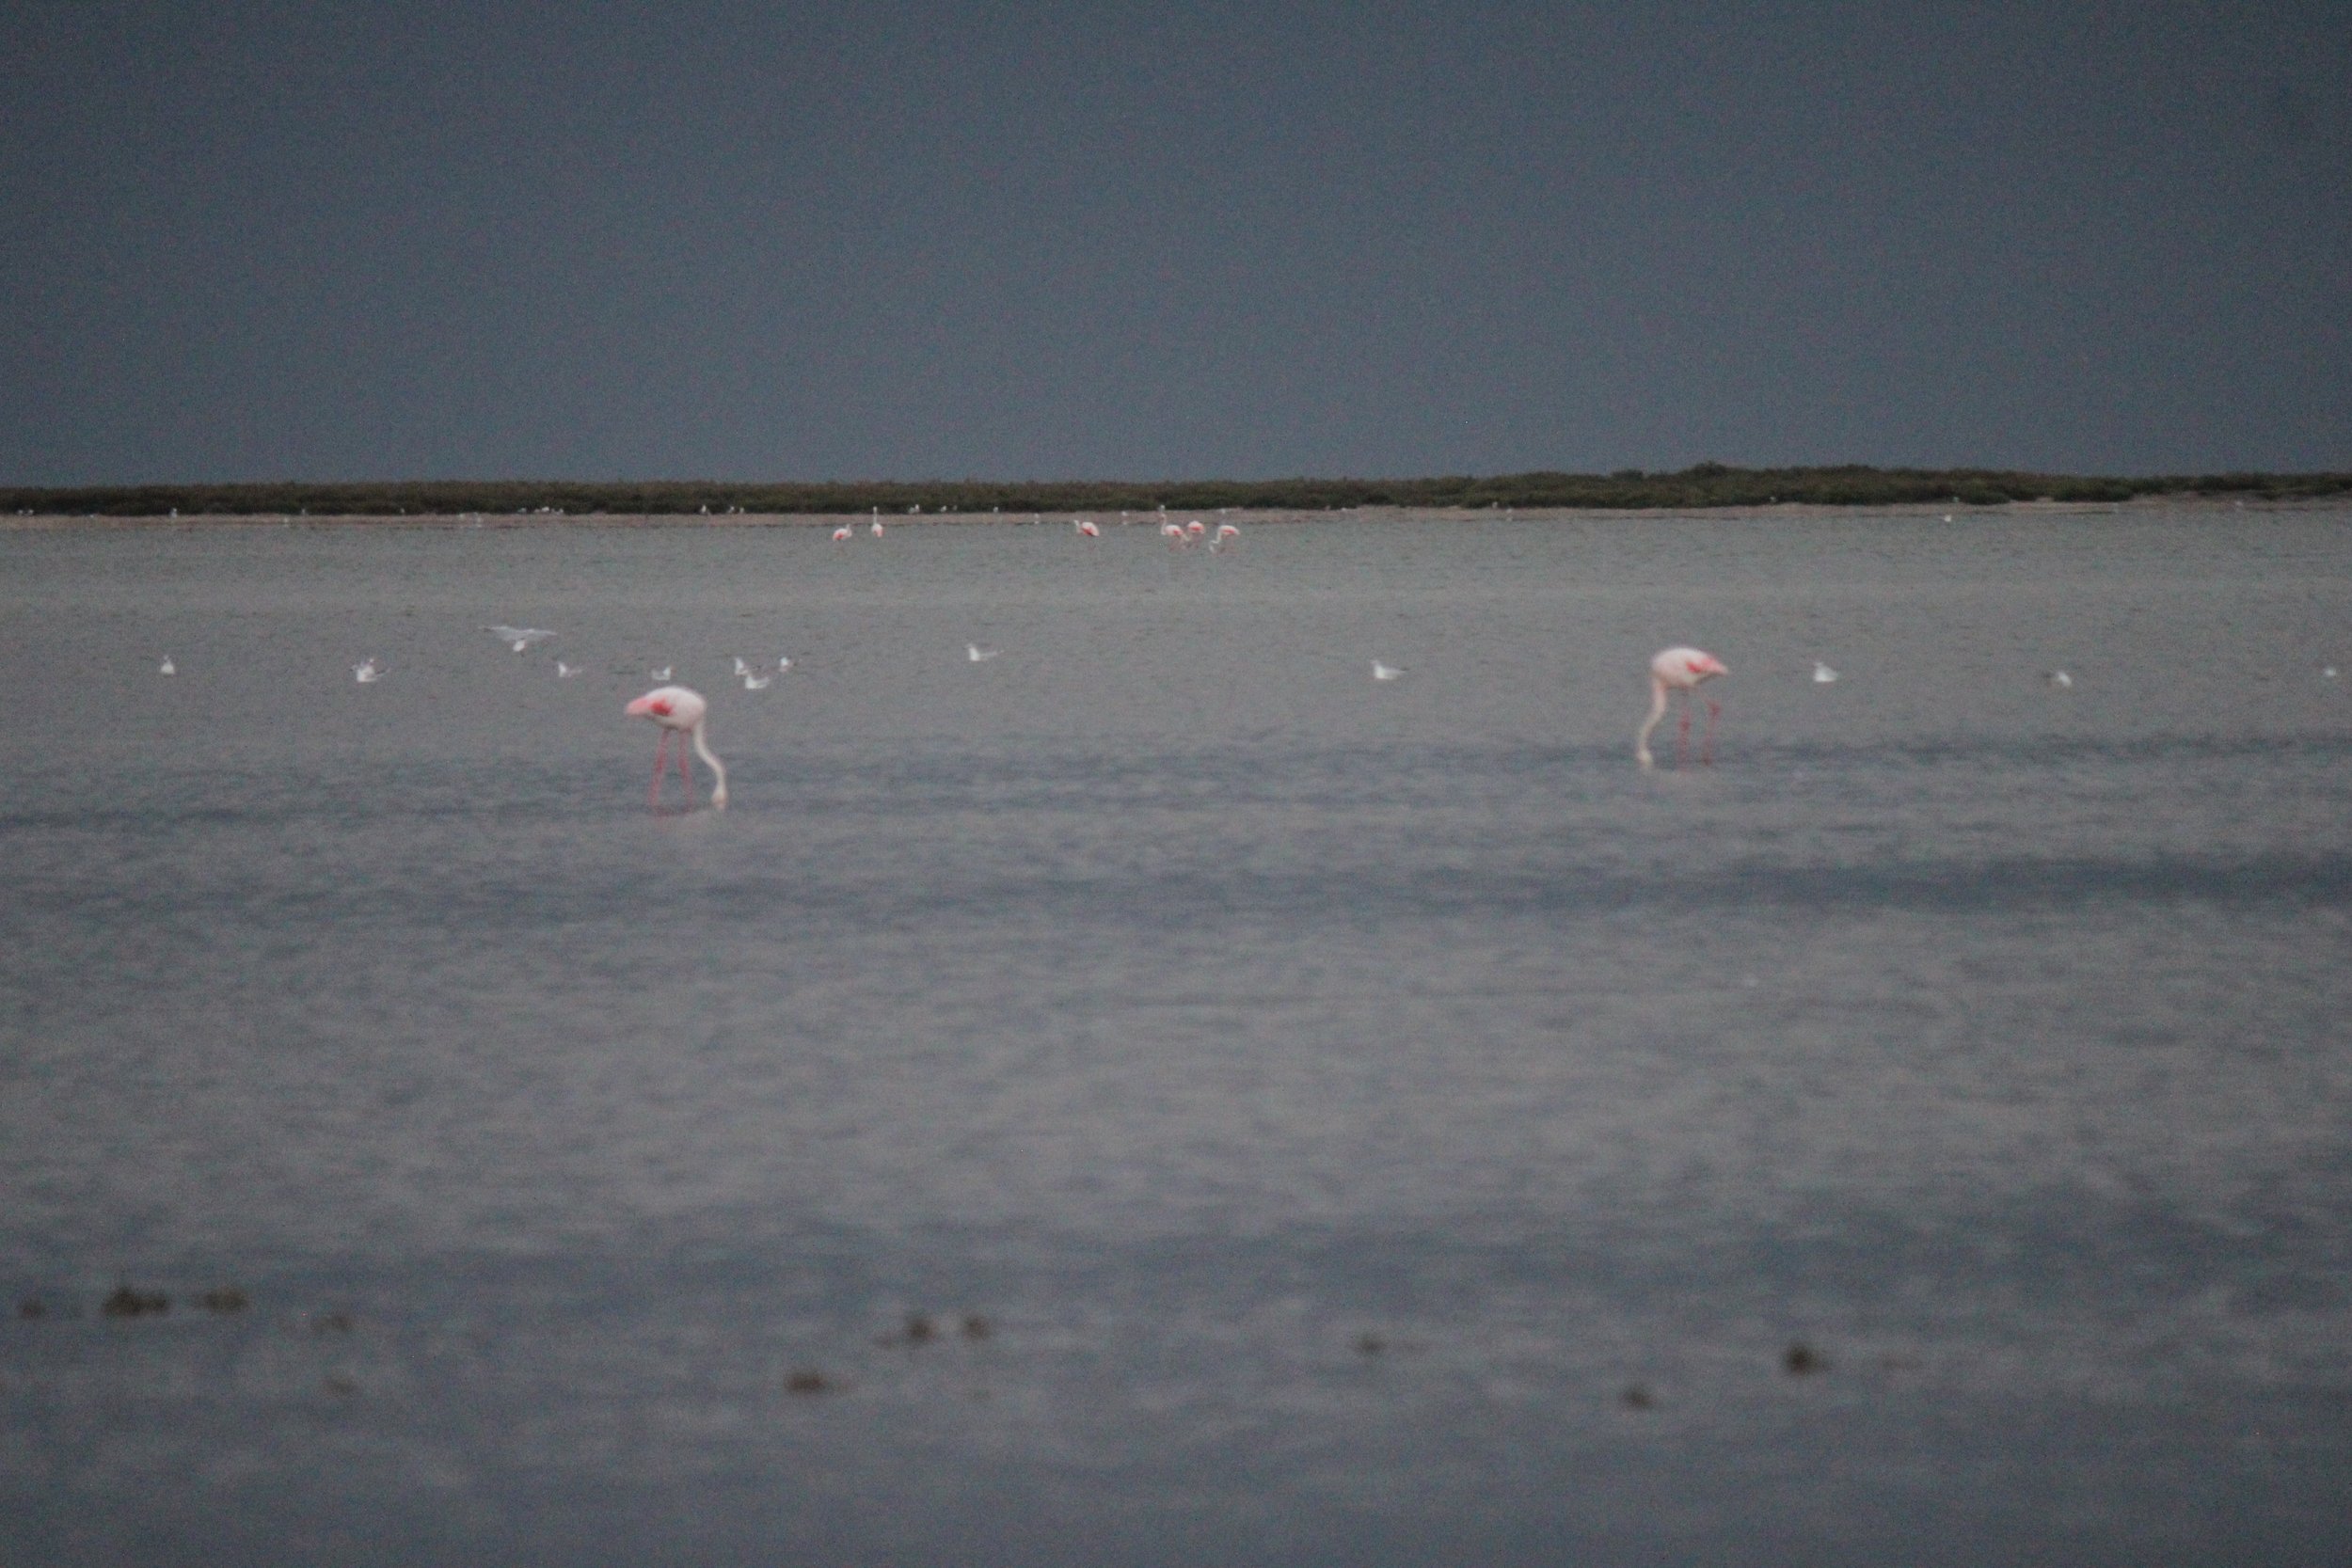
808	1381
331	1323
1802	1360
130	1302
1638	1397
225	1298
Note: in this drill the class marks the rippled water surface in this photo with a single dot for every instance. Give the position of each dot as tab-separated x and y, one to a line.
1160	1095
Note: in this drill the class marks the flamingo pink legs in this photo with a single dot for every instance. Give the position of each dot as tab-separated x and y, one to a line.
660	755
1707	741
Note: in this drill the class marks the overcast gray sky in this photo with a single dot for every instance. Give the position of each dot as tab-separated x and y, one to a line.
827	241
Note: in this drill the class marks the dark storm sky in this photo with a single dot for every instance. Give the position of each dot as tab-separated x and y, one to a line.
995	240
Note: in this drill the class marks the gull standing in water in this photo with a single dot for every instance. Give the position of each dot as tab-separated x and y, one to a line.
759	683
1680	670
565	671
680	711
1822	673
367	672
167	667
1386	672
662	674
979	654
518	637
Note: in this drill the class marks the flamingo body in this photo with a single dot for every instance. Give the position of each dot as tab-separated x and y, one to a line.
1682	670
680	711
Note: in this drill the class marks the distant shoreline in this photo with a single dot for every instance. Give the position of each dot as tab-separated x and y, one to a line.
1268	518
1709	487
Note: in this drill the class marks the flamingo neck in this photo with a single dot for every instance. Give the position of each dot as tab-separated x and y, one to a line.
1657	711
702	750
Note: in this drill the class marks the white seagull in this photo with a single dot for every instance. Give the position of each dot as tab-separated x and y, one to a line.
518	637
565	671
742	667
757	683
168	667
2059	680
367	670
662	674
1822	673
979	654
1386	672
784	664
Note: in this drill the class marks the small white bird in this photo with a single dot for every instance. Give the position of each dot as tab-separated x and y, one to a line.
979	654
2059	680
783	665
757	683
367	670
2326	674
1822	673
168	667
518	637
565	671
661	674
742	667
1386	672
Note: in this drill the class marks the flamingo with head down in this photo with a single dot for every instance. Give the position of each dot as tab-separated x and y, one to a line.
1680	670
680	711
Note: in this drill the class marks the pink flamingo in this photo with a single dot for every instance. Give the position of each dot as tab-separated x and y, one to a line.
680	710
1086	526
1225	534
1193	530
1680	670
841	534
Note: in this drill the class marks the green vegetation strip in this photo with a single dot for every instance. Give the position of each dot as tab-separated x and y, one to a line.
1709	485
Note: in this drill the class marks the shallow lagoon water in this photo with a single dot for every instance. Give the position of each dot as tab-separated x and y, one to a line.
1317	1119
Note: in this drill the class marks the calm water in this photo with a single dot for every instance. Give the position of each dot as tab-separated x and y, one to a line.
1318	1121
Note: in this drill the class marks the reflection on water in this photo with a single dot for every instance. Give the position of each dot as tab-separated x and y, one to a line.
1159	1095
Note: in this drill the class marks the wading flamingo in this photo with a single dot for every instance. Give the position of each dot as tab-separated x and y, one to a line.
1086	526
1679	670
841	534
680	710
